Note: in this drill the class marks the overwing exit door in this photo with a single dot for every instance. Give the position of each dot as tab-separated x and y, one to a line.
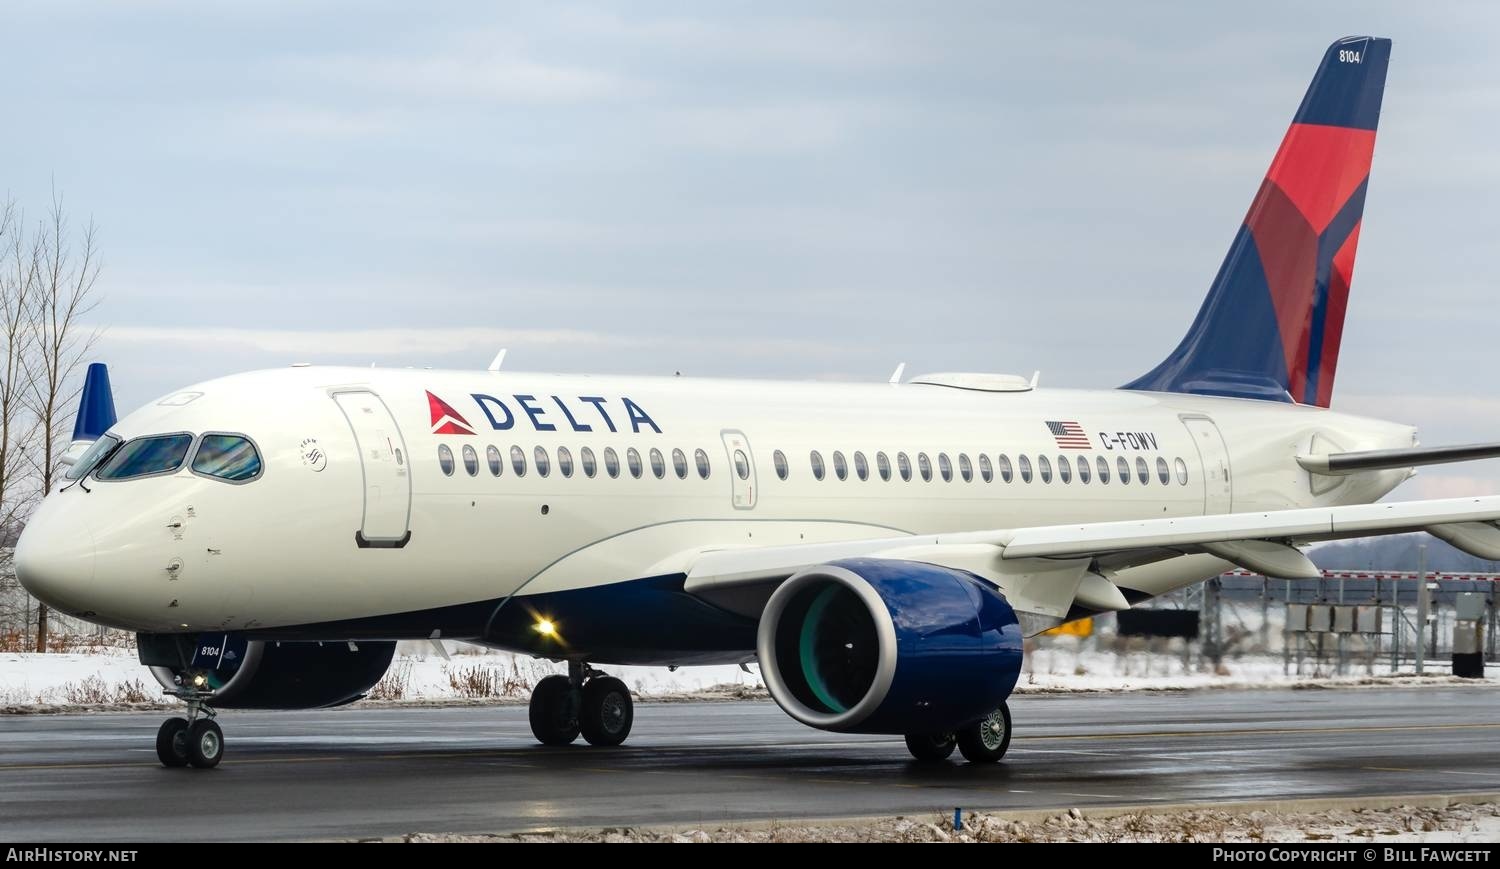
741	469
382	455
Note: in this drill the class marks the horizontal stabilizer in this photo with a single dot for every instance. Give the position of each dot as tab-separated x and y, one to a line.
1339	464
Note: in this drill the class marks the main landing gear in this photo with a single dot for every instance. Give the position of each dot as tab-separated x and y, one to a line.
984	741
195	740
585	701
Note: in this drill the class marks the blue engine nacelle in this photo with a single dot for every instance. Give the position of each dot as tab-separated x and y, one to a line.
871	645
251	674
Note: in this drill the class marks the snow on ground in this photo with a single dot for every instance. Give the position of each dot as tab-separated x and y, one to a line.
110	677
74	679
1470	824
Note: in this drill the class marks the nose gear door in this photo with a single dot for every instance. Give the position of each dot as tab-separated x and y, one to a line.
382	455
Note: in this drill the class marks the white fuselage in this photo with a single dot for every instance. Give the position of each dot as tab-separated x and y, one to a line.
183	552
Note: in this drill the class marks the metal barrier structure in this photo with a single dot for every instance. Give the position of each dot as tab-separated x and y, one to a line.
1361	617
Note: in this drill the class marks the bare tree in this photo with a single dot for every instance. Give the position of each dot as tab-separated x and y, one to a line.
18	277
61	296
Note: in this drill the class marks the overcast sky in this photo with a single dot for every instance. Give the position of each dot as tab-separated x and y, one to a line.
789	190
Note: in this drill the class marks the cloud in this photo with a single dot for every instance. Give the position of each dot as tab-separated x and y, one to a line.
376	342
846	43
771	128
493	76
411	344
277	120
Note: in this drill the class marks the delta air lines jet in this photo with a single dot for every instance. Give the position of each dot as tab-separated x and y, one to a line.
880	549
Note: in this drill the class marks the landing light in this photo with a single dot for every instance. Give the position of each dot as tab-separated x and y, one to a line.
200	680
545	627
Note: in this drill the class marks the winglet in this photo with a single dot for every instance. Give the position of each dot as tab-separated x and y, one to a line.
96	408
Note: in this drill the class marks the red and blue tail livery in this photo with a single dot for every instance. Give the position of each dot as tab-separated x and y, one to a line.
1271	325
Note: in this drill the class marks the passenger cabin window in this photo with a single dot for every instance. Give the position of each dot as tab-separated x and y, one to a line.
679	464
1064	470
840	467
227	457
965	468
492	455
92	456
945	467
924	466
445	459
861	466
741	465
1163	472
658	464
1025	464
611	462
633	459
543	464
564	461
147	457
587	461
701	458
1142	472
816	458
1123	467
471	461
1044	468
1006	473
986	471
518	461
883	466
1103	465
904	464
1181	472
1083	469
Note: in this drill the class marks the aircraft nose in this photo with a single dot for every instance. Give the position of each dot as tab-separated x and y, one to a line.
54	560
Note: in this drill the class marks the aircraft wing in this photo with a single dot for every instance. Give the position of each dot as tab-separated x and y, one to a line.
1047	569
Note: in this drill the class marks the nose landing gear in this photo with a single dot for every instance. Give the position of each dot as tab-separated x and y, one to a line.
585	701
196	740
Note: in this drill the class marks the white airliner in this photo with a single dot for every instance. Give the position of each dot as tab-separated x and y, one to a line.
880	549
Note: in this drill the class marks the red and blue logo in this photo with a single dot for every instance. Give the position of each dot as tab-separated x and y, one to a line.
446	420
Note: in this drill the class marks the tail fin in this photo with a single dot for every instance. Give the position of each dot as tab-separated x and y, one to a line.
96	408
1271	324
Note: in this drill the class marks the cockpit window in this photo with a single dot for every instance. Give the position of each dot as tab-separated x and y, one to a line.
91	456
144	457
233	457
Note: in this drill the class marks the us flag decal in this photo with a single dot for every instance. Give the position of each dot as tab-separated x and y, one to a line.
1069	435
